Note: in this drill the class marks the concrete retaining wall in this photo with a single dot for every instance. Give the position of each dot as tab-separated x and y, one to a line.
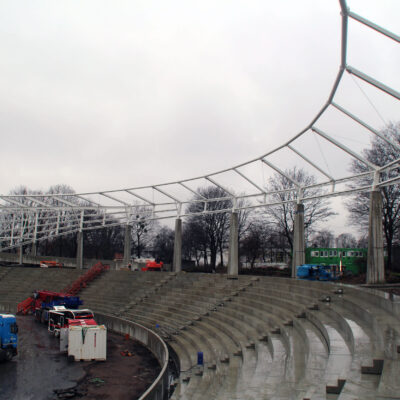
159	389
71	262
66	261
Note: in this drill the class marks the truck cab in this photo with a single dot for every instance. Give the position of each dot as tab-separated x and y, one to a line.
8	336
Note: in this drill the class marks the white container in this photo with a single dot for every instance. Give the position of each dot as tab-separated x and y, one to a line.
87	343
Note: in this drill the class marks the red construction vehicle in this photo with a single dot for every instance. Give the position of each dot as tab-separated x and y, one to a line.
32	303
153	266
50	264
44	301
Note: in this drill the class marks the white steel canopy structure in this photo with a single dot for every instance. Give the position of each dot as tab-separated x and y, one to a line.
27	218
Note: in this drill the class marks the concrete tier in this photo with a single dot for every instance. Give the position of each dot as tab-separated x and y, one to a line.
262	338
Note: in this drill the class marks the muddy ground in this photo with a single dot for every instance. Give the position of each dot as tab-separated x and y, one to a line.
129	370
41	372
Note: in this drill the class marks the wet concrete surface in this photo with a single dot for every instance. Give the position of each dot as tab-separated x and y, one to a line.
39	368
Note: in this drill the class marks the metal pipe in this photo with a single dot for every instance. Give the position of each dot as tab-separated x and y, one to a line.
375	27
288	177
365	125
373	82
343	147
307	160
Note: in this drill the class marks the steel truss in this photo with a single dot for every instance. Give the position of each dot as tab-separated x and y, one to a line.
29	218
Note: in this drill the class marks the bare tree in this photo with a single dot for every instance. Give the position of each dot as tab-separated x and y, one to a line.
211	229
362	243
163	247
104	243
282	216
213	226
51	224
143	230
380	153
323	238
194	243
346	240
254	242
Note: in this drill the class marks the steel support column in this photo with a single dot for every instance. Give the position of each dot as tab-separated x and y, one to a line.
79	250
233	262
34	249
34	244
298	238
127	245
177	261
20	255
375	261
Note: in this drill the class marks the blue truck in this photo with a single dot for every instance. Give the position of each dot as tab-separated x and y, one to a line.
315	272
8	337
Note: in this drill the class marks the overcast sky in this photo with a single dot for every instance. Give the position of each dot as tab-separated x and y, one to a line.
109	94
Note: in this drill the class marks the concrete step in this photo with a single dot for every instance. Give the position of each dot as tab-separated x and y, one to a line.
198	341
250	379
258	325
229	328
277	370
190	310
237	320
312	383
276	316
385	325
226	346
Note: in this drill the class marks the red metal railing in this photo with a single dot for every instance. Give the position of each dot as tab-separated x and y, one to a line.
25	306
83	280
29	304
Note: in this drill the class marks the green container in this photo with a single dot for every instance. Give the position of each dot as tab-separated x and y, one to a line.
352	259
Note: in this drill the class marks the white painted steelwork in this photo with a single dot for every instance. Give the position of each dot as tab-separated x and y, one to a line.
25	219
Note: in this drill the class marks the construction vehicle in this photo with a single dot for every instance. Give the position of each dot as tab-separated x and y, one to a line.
50	264
31	304
153	266
314	272
8	336
46	301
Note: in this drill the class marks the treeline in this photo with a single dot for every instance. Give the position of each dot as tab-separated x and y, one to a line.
262	230
205	235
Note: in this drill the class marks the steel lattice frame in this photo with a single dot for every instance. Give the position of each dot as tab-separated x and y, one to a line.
25	219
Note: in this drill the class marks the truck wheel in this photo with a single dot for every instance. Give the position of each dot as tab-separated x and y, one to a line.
9	354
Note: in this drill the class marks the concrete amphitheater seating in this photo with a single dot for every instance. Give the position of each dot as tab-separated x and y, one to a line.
261	337
18	283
